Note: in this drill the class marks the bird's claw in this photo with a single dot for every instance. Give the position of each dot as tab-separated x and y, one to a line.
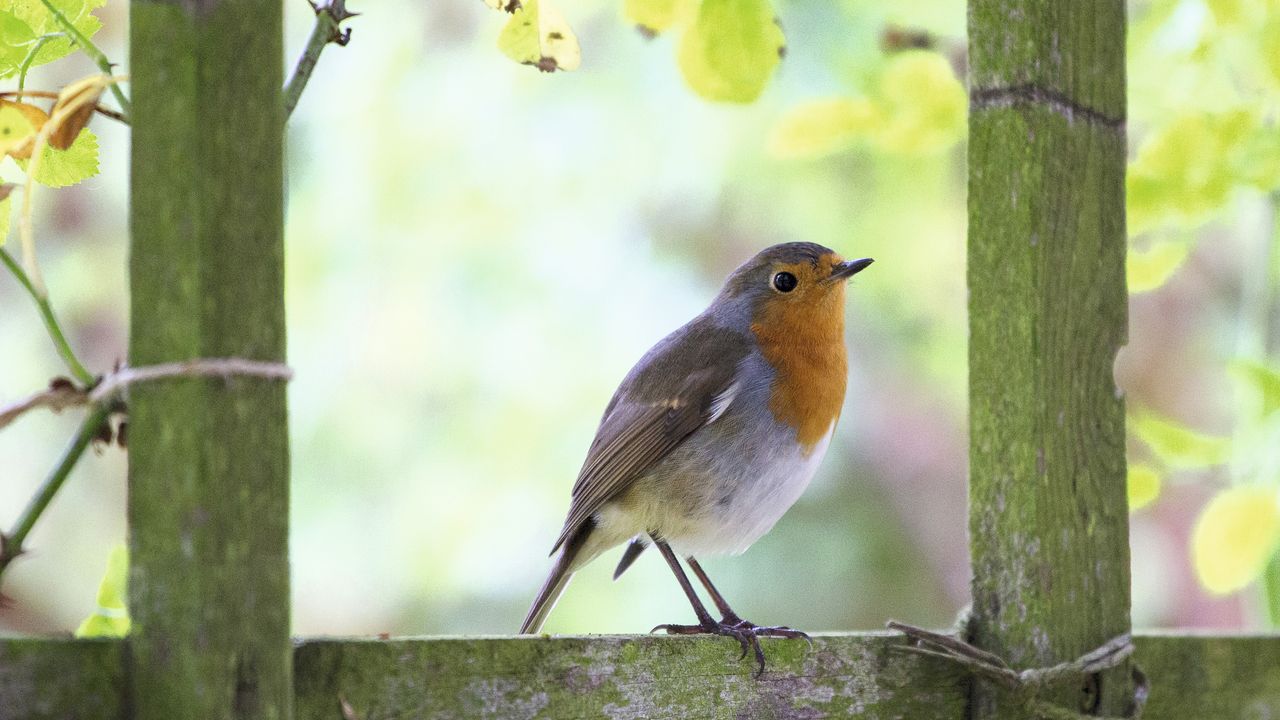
747	634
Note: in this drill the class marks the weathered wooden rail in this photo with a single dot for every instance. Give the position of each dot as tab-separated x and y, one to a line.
208	478
1193	677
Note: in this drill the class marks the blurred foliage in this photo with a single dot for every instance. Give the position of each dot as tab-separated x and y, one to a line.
1235	536
917	107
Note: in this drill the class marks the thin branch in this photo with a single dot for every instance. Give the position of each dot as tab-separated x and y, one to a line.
101	110
328	17
103	400
59	396
11	543
31	56
50	321
87	46
62	393
202	367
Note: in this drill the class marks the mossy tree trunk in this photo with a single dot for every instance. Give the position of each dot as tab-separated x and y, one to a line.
208	476
1048	312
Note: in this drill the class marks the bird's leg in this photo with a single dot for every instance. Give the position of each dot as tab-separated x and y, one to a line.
731	618
729	615
747	635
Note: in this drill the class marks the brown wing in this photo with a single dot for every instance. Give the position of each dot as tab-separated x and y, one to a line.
636	434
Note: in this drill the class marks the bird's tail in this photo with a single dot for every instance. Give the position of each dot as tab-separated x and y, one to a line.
561	572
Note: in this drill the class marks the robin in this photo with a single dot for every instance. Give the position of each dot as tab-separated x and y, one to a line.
715	433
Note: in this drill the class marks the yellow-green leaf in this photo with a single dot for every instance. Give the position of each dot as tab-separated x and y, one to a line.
821	127
1186	170
1179	445
19	123
1262	378
923	103
1149	269
1235	536
111	618
40	21
655	16
1144	485
538	35
1270	45
6	209
60	168
16	41
731	50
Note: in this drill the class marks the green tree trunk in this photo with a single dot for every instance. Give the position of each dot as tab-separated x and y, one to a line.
208	475
1048	311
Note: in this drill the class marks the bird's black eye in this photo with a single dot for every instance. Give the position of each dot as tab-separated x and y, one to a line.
784	282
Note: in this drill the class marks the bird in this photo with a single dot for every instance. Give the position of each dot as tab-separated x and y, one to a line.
715	433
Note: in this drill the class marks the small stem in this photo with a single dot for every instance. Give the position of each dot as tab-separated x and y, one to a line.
87	46
12	542
50	321
325	31
103	111
31	55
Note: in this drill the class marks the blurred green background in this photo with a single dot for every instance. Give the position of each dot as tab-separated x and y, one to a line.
478	252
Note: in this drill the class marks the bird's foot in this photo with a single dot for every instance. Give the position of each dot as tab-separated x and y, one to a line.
747	634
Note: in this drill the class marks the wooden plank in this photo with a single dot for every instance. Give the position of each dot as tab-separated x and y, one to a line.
209	468
1193	677
649	677
1048	311
61	679
1211	677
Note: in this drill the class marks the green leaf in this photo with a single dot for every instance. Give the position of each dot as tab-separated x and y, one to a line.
1149	269
1144	485
539	36
656	16
1262	378
41	22
923	102
60	168
111	618
821	127
15	42
1178	445
1234	537
6	211
732	49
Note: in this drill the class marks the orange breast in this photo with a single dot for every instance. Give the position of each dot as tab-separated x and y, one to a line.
804	342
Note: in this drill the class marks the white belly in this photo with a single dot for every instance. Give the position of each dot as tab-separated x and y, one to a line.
759	501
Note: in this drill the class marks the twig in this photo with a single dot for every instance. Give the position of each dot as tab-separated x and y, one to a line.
202	367
58	397
103	400
101	110
50	321
31	56
328	17
62	394
87	46
11	543
1026	685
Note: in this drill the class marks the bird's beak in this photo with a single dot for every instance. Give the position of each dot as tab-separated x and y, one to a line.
849	268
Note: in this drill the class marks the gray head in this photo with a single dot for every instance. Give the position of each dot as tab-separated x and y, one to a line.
802	276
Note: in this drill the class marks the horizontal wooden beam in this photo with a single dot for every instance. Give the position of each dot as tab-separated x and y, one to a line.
623	677
62	678
1192	677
